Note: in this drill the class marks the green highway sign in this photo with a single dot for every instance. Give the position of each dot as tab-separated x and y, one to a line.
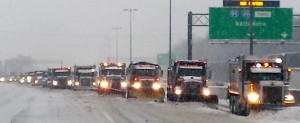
268	23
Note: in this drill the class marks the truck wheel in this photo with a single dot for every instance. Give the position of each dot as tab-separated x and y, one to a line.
128	93
170	97
246	110
231	104
235	105
100	92
161	95
123	94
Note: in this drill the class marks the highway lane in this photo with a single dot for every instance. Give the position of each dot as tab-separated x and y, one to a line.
28	104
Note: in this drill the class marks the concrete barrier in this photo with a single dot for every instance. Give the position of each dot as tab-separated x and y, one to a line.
295	84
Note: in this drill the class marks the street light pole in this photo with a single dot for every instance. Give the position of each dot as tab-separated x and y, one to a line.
170	35
130	23
117	42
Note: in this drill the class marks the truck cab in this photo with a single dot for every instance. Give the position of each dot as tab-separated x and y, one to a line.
30	77
258	83
39	75
145	81
60	77
112	78
85	77
187	80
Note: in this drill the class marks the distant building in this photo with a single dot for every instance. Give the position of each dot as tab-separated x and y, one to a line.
20	64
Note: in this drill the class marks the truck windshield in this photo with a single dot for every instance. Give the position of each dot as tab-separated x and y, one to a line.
190	72
144	72
114	72
265	76
61	73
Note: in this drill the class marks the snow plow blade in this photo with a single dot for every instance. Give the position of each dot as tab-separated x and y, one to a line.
212	101
156	95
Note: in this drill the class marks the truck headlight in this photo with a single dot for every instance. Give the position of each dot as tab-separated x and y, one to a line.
104	84
289	97
36	81
2	79
10	79
137	85
253	97
123	84
205	91
77	83
94	83
156	86
54	83
178	90
29	77
22	81
70	82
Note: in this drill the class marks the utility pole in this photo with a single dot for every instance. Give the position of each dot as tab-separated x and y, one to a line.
117	42
130	24
190	35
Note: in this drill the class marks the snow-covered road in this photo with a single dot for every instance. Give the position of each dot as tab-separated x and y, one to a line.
28	104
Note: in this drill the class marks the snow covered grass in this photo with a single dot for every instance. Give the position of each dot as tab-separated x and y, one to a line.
287	115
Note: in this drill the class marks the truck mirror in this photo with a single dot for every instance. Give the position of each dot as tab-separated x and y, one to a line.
209	74
162	73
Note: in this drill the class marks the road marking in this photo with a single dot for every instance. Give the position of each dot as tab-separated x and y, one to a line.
108	117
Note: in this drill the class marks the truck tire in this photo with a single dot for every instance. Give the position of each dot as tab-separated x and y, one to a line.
128	93
235	105
246	110
231	104
170	96
161	96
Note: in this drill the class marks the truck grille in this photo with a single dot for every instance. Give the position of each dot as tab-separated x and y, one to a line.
147	84
85	82
62	81
116	83
192	88
272	95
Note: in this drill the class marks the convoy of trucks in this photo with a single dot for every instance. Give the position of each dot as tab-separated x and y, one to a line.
255	83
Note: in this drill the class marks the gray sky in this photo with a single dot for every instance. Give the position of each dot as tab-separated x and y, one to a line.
80	31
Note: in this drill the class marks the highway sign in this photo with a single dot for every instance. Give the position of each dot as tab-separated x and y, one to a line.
268	23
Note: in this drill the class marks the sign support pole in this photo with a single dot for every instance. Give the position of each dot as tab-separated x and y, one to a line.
251	28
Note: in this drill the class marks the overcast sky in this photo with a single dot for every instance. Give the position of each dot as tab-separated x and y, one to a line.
80	31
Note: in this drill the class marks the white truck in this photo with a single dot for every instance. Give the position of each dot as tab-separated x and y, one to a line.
258	82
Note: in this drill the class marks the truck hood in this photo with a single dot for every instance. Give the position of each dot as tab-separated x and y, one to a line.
85	77
62	76
143	78
271	83
115	77
192	78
